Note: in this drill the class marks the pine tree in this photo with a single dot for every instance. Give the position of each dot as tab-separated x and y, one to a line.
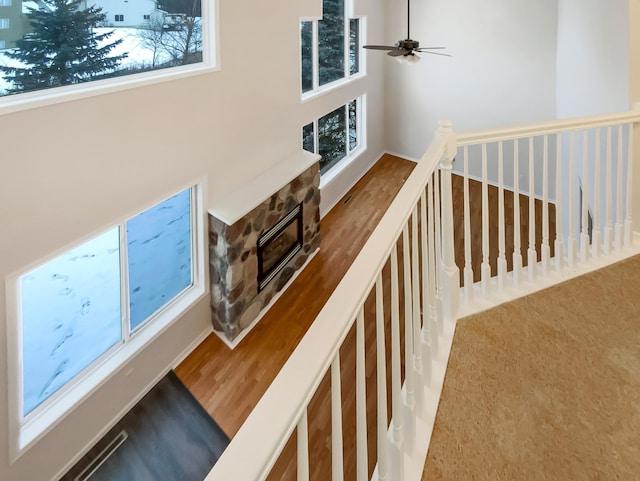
61	48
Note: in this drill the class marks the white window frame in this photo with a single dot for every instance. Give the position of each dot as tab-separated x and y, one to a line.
26	431
351	154
4	23
318	89
210	63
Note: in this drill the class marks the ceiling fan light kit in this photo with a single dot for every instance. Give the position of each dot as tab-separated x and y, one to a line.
404	51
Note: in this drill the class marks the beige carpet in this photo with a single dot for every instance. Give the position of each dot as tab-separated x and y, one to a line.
546	387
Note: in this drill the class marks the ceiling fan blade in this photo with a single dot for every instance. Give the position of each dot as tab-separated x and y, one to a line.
397	52
430	48
437	53
379	47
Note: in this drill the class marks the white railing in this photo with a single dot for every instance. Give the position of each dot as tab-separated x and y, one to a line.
401	295
569	187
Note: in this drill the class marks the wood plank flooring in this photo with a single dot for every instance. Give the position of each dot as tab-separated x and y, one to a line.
167	436
229	383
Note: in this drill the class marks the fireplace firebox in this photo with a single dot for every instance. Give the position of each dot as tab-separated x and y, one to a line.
278	245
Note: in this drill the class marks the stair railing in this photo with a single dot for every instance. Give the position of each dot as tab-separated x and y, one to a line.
550	200
555	200
407	270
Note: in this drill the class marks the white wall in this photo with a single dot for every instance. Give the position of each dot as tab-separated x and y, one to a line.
593	74
593	57
74	168
502	71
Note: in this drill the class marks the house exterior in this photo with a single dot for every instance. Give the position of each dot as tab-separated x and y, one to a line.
71	169
12	23
123	13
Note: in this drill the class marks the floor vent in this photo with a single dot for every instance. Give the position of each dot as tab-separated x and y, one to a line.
102	456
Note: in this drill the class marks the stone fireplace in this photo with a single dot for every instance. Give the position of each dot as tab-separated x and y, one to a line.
259	238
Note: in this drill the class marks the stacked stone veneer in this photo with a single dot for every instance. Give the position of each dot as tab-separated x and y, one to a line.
235	300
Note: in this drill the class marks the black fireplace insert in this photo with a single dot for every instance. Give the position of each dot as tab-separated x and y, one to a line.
278	245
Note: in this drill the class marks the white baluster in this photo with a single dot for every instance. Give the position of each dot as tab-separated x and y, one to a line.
502	256
396	380
532	257
303	447
485	269
426	321
337	467
468	267
608	230
628	223
415	298
381	361
409	384
559	242
619	213
584	233
545	249
438	238
517	248
596	236
362	466
433	300
572	243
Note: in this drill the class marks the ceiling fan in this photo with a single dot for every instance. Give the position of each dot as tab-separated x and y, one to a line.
405	50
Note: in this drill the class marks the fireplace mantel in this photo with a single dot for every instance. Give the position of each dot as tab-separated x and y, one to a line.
237	222
239	203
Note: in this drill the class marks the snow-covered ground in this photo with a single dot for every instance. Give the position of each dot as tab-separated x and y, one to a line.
71	306
132	44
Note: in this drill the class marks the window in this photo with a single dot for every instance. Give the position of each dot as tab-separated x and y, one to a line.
330	48
2	44
335	136
5	3
146	17
85	48
86	305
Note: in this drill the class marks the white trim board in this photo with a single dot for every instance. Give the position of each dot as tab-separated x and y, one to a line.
234	206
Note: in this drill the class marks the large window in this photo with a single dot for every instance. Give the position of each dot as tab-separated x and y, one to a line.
84	306
336	136
66	42
329	47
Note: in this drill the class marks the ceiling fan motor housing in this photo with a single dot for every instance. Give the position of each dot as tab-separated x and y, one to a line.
407	44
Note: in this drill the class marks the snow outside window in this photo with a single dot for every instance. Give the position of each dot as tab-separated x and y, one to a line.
146	37
336	136
82	305
330	48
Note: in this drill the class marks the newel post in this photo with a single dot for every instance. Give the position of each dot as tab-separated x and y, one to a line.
450	271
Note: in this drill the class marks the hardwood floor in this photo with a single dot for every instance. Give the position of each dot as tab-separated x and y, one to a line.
229	383
167	436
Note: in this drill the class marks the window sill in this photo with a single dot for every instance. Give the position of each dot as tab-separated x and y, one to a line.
331	87
337	169
44	421
41	98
